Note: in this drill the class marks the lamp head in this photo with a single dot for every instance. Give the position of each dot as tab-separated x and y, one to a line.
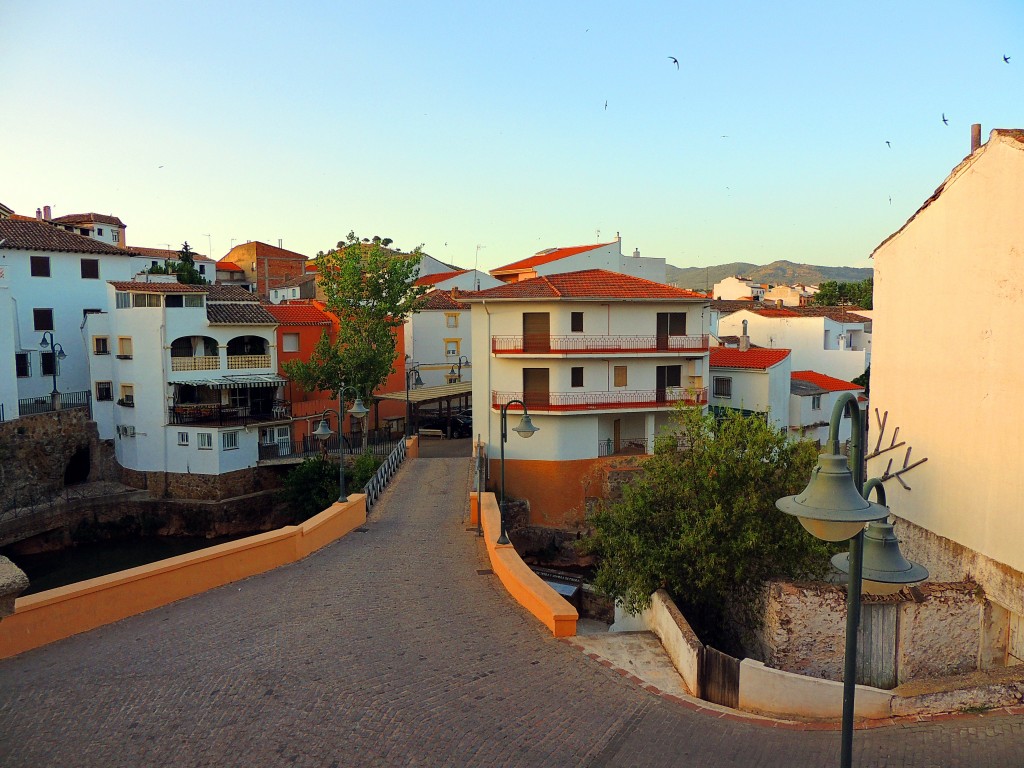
358	409
60	352
525	427
323	430
415	379
885	569
831	507
44	343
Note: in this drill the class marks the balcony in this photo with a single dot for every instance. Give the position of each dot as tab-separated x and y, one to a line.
224	415
236	362
206	363
627	400
573	346
626	446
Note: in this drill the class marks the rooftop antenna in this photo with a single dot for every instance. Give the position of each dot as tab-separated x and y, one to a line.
209	242
476	262
597	235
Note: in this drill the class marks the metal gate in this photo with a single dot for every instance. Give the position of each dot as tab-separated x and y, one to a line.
719	678
876	645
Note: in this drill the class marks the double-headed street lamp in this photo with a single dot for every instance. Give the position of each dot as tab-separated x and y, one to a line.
452	372
412	378
832	508
323	431
525	428
57	351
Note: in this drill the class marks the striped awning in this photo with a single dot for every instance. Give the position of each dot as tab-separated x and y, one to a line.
238	382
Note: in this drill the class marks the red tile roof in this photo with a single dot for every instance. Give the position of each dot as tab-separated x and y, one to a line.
140	286
546	257
839	314
37	235
298	314
439	277
88	218
263	249
828	383
590	284
166	253
775	312
442	300
228	266
755	357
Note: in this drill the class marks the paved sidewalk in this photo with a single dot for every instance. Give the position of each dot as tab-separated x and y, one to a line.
388	648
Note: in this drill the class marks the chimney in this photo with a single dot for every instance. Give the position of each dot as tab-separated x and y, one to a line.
744	339
778	303
455	291
280	243
47	215
636	253
975	136
39	213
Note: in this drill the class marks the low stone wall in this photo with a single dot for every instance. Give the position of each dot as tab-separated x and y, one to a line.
193	486
58	613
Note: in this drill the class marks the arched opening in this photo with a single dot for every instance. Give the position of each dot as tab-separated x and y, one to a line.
247	345
77	470
194	346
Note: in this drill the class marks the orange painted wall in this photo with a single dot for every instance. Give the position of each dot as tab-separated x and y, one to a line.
555	489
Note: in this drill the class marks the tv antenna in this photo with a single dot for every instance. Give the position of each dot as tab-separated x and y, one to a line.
476	262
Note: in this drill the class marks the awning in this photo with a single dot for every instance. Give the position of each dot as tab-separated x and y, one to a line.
238	382
428	394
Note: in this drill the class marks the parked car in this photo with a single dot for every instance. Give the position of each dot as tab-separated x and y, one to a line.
461	426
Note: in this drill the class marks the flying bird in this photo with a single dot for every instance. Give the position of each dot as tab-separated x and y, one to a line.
888	145
675	61
944	120
1006	59
606	105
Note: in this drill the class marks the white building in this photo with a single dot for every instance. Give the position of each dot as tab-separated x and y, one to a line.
751	380
159	257
98	226
833	340
790	295
599	358
736	287
438	339
460	279
54	279
813	395
606	256
183	376
954	389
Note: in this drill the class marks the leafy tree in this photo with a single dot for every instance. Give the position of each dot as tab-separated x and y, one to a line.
832	293
371	289
184	268
310	488
700	521
864	380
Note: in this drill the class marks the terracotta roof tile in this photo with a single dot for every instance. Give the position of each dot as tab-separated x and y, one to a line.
230	293
439	277
141	286
166	253
265	250
546	257
839	314
827	383
755	357
590	284
442	300
88	218
774	312
298	314
36	235
296	281
228	266
238	313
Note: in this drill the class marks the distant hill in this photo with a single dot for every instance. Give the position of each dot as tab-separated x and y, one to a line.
776	273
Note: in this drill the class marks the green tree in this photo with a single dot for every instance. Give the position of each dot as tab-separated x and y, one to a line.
371	289
832	293
700	521
184	268
310	488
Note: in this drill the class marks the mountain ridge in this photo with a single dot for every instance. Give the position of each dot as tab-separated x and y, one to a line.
780	272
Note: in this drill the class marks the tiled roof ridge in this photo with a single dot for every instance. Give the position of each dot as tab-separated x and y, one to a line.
551	285
823	380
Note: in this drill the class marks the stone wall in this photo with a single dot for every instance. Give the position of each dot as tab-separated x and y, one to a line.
178	485
35	452
941	635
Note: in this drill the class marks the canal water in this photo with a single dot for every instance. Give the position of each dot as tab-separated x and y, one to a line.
48	570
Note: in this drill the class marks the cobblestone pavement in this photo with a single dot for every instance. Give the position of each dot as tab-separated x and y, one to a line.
388	648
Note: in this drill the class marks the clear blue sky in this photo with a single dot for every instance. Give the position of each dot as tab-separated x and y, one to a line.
458	124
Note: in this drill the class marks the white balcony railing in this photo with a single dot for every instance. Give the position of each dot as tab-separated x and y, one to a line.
248	361
206	363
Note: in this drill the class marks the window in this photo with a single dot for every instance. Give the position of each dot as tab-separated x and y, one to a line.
673	375
48	364
815	402
124	347
146	300
620	376
194	300
204	441
104	390
183	300
290	342
40	266
229	441
577	322
577	376
202	269
451	319
122	300
99	231
42	319
721	386
115	235
22	365
451	347
452	379
127	398
183	438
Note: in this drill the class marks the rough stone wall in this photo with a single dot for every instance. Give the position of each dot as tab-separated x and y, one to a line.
804	629
178	485
35	451
940	636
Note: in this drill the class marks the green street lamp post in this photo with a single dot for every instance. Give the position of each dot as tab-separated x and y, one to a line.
525	428
57	351
412	378
323	431
832	508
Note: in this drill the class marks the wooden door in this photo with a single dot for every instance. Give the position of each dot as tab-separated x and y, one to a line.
536	332
876	645
670	324
719	677
535	387
660	379
617	434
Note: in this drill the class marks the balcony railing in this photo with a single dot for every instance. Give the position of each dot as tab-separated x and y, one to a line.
221	415
596	401
626	446
590	345
248	361
28	406
204	363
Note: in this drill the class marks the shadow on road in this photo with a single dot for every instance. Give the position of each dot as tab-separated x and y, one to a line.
439	448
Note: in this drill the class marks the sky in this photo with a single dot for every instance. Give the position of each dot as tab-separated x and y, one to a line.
488	133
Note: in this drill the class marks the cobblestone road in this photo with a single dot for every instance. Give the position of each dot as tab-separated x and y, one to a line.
389	649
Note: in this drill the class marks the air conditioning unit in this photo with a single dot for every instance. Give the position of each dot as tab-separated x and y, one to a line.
125	430
130	431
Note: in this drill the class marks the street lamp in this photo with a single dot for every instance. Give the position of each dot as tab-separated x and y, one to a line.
413	378
461	358
58	354
323	431
831	508
525	428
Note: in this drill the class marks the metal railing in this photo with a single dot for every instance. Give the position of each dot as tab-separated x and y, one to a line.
625	446
383	475
28	406
221	415
519	345
309	447
592	401
202	363
236	362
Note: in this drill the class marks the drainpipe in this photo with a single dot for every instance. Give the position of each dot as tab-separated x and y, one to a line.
490	383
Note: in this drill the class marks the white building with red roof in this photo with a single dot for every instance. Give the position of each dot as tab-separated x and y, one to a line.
438	339
461	279
751	380
951	382
737	287
812	397
606	256
600	359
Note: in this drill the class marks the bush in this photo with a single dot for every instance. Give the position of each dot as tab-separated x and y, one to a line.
310	488
363	468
